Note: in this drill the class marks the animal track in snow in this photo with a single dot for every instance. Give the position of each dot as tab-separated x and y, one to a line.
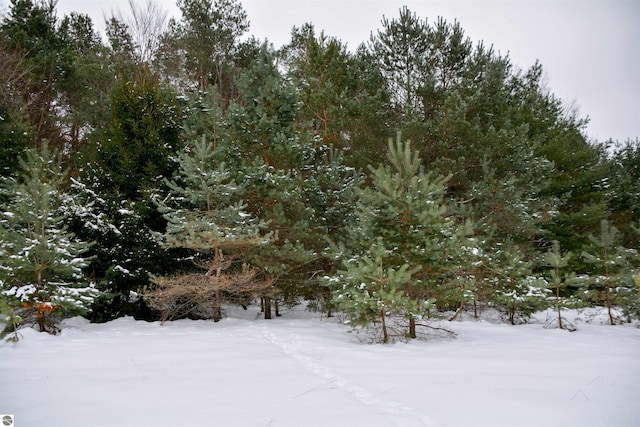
290	347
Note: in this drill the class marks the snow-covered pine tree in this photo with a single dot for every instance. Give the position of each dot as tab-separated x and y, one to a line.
403	227
517	291
205	215
370	290
613	278
41	277
559	281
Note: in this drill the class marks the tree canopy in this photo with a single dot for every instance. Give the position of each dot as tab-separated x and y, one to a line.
191	153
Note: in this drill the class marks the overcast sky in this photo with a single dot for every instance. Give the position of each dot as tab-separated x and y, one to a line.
590	49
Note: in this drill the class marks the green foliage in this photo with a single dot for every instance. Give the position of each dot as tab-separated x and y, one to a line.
342	95
11	320
252	142
369	290
206	37
285	174
41	277
125	252
29	31
86	79
14	139
518	292
403	227
622	185
135	150
205	215
612	277
559	280
402	48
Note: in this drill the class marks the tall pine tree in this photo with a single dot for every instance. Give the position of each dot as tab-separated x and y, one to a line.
205	215
42	276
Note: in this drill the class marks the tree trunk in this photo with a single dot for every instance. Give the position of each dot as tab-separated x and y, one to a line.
267	307
560	325
385	335
41	326
217	309
412	319
611	319
412	327
606	274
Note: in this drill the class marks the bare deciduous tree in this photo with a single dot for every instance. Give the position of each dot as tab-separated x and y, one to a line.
145	23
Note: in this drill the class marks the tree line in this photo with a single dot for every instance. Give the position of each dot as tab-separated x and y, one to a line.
181	166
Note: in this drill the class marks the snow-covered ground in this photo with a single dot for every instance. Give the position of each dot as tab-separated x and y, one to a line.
300	370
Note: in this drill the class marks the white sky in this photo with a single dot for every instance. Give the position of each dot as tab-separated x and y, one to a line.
590	49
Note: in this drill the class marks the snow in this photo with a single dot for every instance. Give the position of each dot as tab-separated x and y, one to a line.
302	370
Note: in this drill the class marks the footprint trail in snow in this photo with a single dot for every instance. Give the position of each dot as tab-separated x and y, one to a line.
290	347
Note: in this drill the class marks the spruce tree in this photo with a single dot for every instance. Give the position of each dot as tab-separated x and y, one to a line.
42	277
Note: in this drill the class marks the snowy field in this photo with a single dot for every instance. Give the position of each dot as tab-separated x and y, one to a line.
300	370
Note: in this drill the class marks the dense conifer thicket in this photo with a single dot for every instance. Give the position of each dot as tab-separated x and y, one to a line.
177	167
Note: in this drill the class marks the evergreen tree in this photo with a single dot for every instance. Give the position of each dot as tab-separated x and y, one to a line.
30	30
613	278
368	290
15	129
518	291
205	39
275	160
342	95
401	48
122	47
205	215
405	228
559	281
119	175
125	253
42	277
621	187
86	80
135	150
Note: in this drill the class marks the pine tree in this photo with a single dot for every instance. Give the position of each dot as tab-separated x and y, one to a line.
518	291
401	48
404	227
41	277
559	280
281	165
206	37
204	214
370	290
613	280
29	29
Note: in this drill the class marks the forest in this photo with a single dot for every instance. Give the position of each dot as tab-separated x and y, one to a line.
177	167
